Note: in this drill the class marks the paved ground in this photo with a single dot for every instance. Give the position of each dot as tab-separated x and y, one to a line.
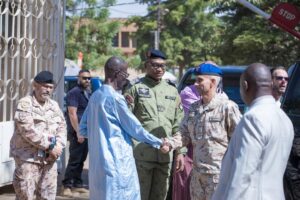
7	192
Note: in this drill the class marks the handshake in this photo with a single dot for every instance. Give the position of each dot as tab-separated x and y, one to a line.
170	143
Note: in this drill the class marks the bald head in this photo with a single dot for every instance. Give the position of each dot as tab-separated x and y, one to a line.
256	81
113	65
116	72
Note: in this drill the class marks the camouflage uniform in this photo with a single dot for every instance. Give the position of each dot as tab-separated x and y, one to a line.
158	108
34	125
209	128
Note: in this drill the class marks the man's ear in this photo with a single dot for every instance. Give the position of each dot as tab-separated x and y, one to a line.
245	85
213	83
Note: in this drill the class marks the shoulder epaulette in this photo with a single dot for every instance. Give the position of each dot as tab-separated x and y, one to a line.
135	81
171	82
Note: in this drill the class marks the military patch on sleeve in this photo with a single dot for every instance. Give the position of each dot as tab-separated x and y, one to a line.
23	105
23	116
129	99
144	92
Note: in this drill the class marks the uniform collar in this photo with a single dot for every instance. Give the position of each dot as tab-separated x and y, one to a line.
151	81
215	102
35	103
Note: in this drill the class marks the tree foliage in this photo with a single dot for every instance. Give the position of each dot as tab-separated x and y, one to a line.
250	38
89	31
189	34
218	30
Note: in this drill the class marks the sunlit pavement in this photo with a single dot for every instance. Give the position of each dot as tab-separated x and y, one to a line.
7	192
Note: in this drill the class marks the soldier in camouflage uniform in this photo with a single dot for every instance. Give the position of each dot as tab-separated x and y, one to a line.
156	103
208	126
38	140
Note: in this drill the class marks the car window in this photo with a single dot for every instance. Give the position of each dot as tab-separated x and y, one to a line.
231	86
70	84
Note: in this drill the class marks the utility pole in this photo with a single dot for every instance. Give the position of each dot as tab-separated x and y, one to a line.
158	24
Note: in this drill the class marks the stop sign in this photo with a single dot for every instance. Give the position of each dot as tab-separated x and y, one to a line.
287	15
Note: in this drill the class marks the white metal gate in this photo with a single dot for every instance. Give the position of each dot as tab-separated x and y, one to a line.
31	40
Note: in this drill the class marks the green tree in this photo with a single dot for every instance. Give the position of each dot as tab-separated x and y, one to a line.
250	38
189	32
89	31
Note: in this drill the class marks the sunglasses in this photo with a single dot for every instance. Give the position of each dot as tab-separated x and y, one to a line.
157	65
281	78
86	78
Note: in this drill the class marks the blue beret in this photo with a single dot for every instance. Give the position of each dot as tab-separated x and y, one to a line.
44	77
208	69
156	54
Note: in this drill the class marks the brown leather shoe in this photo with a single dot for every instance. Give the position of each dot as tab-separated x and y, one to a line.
67	192
80	190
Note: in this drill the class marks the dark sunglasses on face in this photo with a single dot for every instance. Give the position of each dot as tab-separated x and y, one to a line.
281	78
157	65
86	78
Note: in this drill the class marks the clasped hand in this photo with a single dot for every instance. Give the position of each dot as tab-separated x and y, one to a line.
55	152
166	147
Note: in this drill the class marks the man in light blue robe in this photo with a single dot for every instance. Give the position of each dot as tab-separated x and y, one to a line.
109	126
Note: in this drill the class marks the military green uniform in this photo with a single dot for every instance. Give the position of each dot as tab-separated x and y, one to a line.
157	106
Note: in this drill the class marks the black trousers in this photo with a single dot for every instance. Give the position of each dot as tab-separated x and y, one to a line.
78	154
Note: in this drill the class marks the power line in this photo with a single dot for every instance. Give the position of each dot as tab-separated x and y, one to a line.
101	6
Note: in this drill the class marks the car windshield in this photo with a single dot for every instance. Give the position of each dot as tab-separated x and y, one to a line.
231	86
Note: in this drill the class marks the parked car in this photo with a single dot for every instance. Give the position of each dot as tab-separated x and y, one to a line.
231	83
291	105
71	81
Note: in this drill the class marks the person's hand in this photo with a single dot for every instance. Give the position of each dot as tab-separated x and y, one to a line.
165	147
179	162
51	158
56	151
80	138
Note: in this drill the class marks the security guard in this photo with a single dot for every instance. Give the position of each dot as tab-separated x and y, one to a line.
156	103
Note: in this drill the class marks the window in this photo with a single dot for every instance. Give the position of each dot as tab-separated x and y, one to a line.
134	42
125	39
115	42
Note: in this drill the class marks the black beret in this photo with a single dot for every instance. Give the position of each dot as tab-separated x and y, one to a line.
156	54
44	77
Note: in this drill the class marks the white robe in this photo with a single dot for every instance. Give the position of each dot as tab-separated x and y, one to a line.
254	164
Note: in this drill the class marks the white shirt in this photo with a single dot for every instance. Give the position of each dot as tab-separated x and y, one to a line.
254	164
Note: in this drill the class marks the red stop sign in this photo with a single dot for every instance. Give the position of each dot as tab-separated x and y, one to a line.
286	15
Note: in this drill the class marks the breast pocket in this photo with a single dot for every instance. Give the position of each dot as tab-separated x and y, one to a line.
216	126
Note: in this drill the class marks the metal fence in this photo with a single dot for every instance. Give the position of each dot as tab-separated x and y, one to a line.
31	40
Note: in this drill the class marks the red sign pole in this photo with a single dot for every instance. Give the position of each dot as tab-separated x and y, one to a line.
285	16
